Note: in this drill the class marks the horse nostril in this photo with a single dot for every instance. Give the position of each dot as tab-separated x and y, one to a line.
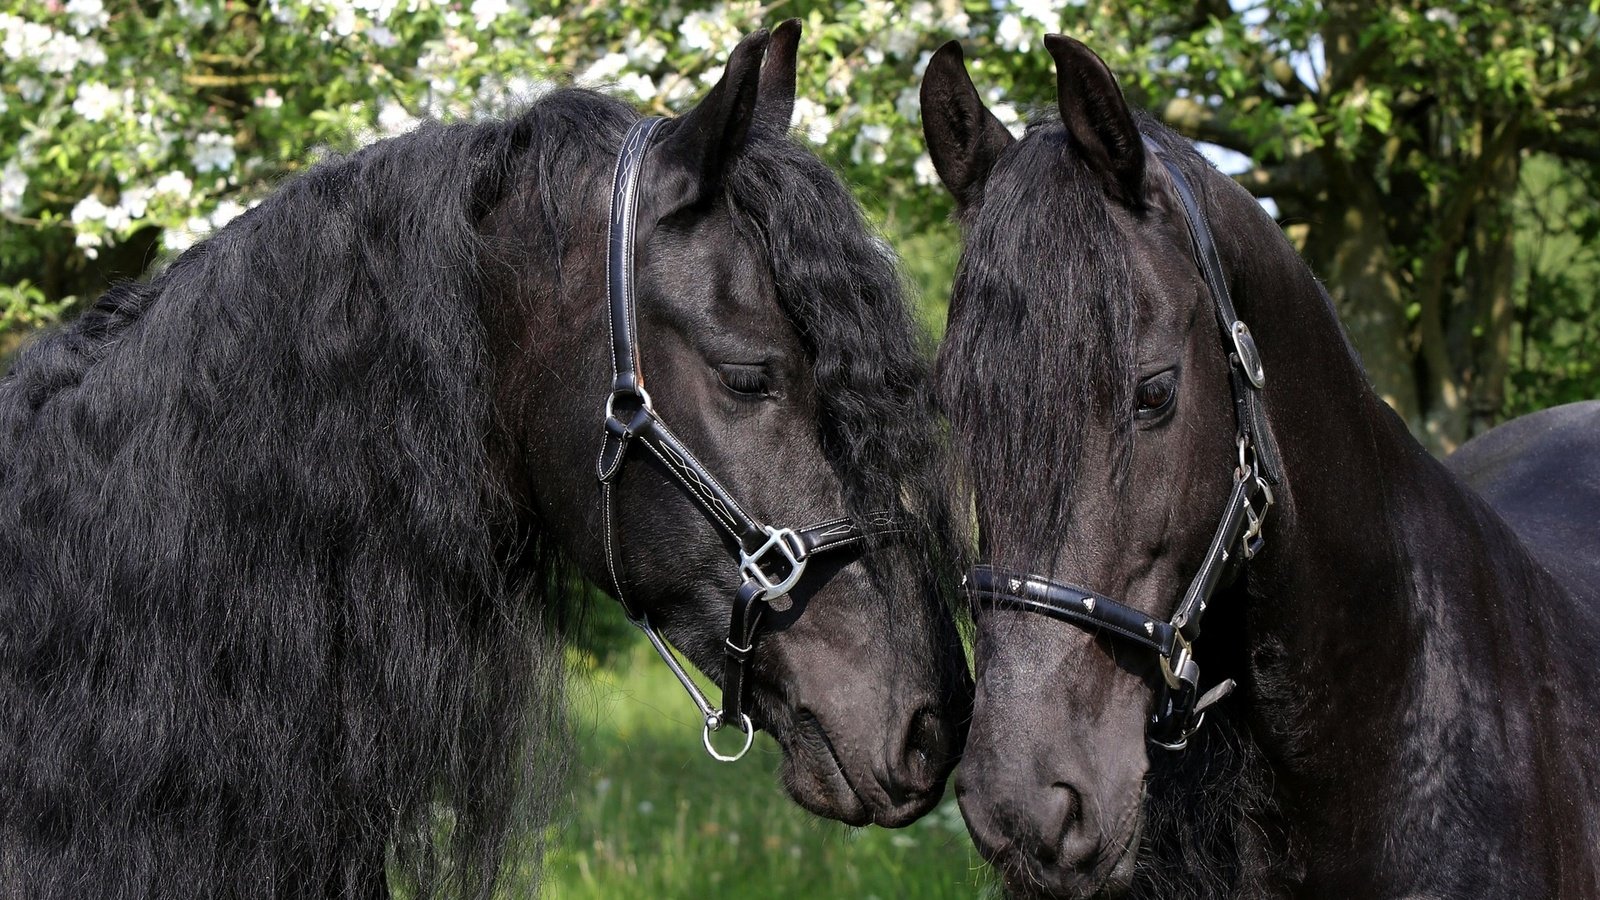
926	748
1073	840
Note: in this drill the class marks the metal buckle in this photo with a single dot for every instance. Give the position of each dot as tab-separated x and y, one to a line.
1249	356
793	556
1175	668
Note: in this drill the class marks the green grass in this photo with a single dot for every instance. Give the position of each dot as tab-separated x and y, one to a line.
652	816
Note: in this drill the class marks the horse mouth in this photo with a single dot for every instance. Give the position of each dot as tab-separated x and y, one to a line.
814	775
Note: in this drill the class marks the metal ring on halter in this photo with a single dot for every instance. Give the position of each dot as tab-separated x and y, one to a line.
715	723
779	538
639	391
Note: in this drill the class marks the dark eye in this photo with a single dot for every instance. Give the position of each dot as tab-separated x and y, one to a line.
1154	394
744	379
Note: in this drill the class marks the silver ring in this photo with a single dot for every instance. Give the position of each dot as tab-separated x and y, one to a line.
749	738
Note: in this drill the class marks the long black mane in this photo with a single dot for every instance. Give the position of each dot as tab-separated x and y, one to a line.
1062	328
268	621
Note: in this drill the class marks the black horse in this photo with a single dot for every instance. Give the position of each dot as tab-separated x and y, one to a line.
1413	643
290	536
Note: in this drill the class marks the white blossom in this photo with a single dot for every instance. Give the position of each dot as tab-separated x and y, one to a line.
87	15
196	12
175	184
30	90
923	171
226	212
646	53
485	12
270	100
812	119
712	75
870	145
393	118
13	185
135	201
87	211
382	36
213	152
544	31
641	86
1044	12
603	70
1012	34
909	105
89	243
1007	114
94	100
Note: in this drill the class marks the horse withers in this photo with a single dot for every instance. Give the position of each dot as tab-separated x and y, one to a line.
291	534
1163	425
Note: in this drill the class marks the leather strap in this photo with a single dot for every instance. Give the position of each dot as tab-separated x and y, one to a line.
1178	709
771	560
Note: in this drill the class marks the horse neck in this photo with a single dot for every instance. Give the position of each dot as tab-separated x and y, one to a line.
1401	638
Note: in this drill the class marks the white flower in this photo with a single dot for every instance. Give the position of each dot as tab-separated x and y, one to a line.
88	210
839	78
712	75
812	118
213	152
117	218
641	86
909	105
1011	34
485	12
30	89
94	100
89	243
175	184
603	70
1045	12
13	185
1007	114
869	145
382	36
705	29
182	238
544	31
645	53
924	171
393	118
135	201
270	100
226	212
87	15
678	90
196	12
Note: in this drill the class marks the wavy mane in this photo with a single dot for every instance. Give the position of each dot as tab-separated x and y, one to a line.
216	671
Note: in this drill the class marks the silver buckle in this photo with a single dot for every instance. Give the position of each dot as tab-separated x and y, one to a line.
639	391
1249	356
793	554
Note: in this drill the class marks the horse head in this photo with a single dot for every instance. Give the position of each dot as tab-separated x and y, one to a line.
770	328
1099	456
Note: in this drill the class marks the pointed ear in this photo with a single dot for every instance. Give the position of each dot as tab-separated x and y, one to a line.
1097	116
687	163
964	138
775	99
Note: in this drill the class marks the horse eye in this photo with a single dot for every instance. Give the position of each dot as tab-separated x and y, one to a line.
746	380
1155	393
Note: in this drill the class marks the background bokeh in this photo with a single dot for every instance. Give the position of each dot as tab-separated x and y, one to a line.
1438	164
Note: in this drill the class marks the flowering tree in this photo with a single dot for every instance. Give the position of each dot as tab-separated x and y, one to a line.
1392	132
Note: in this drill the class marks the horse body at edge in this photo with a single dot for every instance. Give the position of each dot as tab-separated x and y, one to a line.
1413	657
290	536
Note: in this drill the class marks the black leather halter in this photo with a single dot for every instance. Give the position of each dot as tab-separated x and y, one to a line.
1178	710
771	560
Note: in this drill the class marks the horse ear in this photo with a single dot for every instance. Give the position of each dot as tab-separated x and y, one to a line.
775	99
964	138
692	156
1097	115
